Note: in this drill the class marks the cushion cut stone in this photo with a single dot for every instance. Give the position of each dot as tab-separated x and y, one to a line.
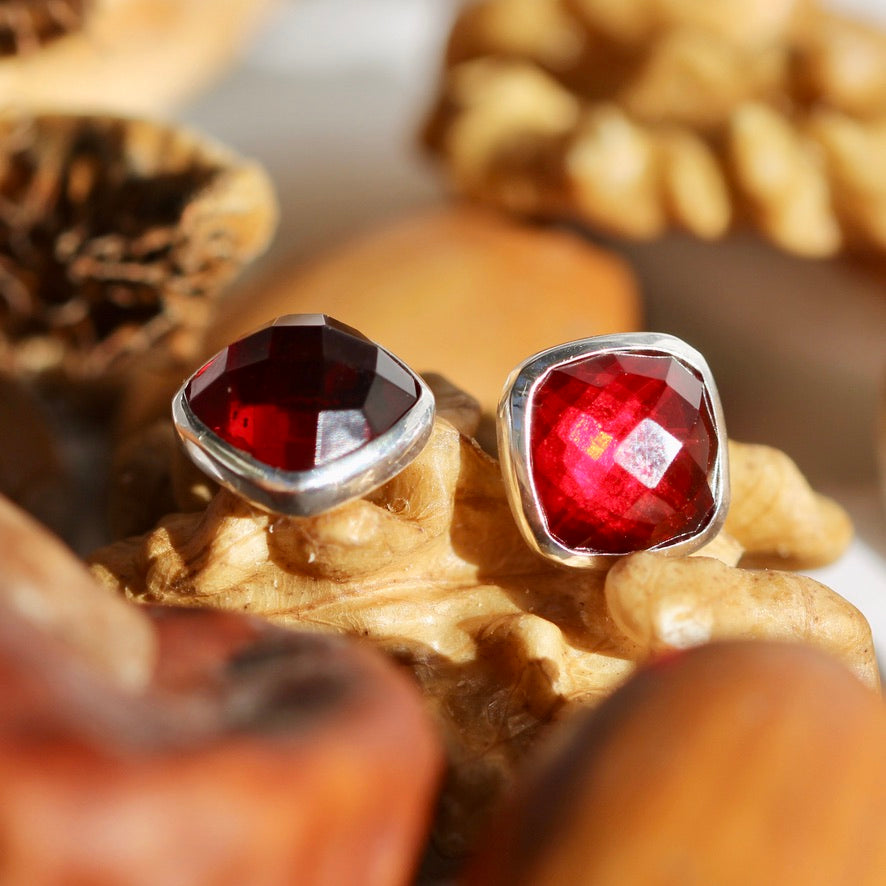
621	449
302	392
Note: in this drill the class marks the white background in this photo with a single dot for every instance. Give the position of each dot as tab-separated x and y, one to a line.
329	99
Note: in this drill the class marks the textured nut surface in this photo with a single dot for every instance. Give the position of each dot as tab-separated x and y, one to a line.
662	603
778	518
432	568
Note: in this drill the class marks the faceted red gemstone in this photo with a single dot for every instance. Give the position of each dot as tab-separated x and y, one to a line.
621	446
301	392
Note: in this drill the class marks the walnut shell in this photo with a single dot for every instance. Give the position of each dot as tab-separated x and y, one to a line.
432	568
664	113
115	236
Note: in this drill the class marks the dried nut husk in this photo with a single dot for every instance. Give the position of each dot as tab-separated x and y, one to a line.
432	568
44	585
665	113
456	290
28	25
258	755
116	235
731	763
102	55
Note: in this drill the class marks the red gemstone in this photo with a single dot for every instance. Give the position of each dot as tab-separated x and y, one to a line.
621	449
301	392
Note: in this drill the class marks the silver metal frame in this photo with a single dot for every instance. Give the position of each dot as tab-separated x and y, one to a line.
514	433
305	493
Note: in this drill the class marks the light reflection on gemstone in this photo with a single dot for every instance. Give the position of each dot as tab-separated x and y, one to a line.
589	437
340	431
647	452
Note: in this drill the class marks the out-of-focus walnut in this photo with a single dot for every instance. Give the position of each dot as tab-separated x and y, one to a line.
432	568
782	105
696	80
745	22
842	65
783	179
91	55
542	30
851	150
115	236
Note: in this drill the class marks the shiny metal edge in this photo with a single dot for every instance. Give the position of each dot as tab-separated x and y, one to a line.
306	493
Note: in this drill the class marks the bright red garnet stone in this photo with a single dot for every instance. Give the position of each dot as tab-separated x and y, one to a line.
621	448
301	392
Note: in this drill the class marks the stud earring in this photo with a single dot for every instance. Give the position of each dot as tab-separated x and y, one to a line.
303	415
614	444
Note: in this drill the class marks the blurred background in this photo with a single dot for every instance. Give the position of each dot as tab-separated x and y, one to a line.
329	99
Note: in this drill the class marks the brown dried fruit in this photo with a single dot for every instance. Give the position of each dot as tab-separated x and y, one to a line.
93	55
259	756
432	568
431	287
732	763
782	104
115	235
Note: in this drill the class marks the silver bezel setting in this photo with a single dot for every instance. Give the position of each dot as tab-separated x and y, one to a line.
514	434
310	492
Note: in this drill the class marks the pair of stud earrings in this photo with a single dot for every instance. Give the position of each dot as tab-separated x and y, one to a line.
608	445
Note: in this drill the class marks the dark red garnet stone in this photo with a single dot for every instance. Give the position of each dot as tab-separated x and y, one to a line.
621	449
301	392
